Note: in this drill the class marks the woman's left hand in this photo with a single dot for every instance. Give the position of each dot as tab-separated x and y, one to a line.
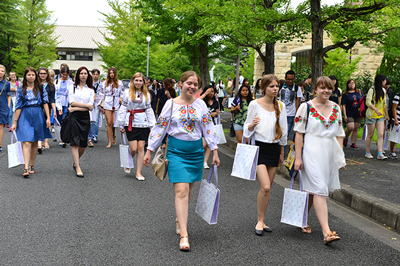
215	159
387	118
71	109
48	123
281	159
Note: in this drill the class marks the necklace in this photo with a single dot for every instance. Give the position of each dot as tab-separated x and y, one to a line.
326	106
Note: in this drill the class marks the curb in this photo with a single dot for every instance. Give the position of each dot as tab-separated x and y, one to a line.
378	209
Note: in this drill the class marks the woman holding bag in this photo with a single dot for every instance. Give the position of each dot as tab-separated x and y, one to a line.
266	120
29	120
81	99
187	120
137	103
320	166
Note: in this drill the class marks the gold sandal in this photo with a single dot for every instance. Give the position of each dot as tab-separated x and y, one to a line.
184	243
331	237
306	230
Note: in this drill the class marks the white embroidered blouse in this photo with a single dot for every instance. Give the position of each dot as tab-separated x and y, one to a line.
84	95
189	122
111	95
265	131
145	119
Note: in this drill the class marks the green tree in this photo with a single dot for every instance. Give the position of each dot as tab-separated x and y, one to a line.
339	64
36	43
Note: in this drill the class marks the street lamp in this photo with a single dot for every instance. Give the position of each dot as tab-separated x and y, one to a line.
148	38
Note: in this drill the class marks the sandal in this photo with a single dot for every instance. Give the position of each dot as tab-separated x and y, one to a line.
331	237
26	173
306	230
108	146
47	147
31	169
184	243
90	144
114	141
178	229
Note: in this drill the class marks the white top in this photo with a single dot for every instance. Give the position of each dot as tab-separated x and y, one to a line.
289	97
111	94
145	119
189	122
61	97
99	85
81	95
322	154
265	131
221	88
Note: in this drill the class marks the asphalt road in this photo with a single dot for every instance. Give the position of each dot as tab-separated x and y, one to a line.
110	218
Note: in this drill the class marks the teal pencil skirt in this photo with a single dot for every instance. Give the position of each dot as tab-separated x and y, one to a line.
186	160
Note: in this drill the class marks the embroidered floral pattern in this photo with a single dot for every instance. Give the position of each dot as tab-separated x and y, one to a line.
327	122
300	119
162	122
207	119
188	118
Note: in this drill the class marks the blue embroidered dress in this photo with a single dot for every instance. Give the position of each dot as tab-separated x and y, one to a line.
31	125
189	124
4	109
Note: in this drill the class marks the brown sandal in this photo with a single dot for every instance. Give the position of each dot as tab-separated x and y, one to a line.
306	230
90	143
331	237
26	173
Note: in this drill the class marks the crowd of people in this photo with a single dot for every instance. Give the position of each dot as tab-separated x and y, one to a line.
182	115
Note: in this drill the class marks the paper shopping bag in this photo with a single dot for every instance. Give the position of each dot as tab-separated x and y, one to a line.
15	156
125	155
295	205
395	134
245	162
208	200
220	132
57	129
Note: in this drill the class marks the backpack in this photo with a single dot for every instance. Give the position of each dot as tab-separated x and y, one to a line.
296	88
363	104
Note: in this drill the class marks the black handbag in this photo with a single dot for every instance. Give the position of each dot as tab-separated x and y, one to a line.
66	128
232	131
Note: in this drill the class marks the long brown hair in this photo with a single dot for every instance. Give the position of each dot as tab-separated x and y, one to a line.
186	75
265	81
48	79
35	83
110	80
132	89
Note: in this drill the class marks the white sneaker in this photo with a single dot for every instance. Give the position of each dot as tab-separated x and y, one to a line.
392	155
368	155
52	130
140	178
206	166
381	156
127	170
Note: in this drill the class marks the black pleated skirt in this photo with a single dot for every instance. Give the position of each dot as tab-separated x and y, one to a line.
268	153
80	125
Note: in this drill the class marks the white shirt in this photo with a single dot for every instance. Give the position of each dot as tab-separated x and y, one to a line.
81	95
289	97
265	131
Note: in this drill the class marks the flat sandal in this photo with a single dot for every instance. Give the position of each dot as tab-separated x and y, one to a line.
31	169
26	173
184	246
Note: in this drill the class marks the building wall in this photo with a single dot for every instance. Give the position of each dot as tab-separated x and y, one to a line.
75	64
283	55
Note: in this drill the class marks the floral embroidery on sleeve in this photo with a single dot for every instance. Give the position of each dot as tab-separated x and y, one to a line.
207	119
162	122
300	119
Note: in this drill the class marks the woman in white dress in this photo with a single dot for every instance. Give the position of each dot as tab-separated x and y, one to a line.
137	103
266	119
110	98
322	156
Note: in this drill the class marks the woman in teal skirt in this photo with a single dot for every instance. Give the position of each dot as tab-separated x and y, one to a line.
30	122
189	122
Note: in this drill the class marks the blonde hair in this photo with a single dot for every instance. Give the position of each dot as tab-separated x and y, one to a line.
265	81
132	89
3	67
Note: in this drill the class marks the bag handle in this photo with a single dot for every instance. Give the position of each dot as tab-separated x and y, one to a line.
218	121
57	122
170	120
252	140
300	180
14	136
123	139
213	170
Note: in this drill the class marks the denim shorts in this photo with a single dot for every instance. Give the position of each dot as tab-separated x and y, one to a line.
373	121
237	127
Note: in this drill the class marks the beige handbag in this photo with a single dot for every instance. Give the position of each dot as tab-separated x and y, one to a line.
160	162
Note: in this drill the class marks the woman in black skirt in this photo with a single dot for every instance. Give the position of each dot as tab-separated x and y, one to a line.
266	119
81	98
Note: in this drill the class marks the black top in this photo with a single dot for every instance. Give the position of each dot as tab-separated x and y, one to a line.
160	99
335	96
212	108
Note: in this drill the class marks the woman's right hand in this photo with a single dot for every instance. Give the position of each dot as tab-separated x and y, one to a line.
60	112
378	112
298	164
396	122
345	118
147	157
13	127
122	130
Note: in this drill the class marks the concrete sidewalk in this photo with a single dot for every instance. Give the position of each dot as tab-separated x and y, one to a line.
369	186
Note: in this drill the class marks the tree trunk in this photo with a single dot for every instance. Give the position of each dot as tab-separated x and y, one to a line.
237	70
194	59
9	52
317	61
204	73
269	62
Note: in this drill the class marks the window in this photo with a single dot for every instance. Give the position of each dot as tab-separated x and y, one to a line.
74	55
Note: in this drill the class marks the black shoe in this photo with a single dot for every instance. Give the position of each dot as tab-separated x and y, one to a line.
40	151
267	229
80	175
258	232
73	166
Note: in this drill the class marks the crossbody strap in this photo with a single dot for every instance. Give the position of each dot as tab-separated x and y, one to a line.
170	120
3	87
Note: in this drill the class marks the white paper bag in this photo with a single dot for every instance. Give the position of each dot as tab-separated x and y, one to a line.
14	150
245	162
219	130
208	200
395	134
57	129
125	155
295	205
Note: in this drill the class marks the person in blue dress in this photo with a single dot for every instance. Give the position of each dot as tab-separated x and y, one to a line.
5	100
29	121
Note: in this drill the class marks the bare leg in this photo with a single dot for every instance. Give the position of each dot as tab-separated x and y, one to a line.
182	205
265	177
239	135
354	135
349	129
368	139
76	154
34	148
110	125
26	151
380	130
392	146
1	134
321	211
139	157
